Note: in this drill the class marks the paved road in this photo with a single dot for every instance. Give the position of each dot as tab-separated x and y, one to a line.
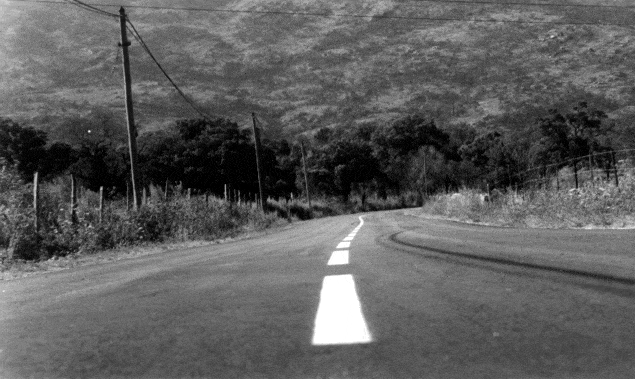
403	297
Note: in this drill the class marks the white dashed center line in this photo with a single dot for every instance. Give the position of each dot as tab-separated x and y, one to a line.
339	257
339	318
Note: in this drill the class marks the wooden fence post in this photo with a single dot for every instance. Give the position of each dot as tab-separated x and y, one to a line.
101	204
617	181
36	201
73	199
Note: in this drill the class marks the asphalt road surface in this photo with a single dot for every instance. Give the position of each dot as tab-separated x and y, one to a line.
394	296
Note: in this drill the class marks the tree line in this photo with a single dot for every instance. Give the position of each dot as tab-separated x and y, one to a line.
411	154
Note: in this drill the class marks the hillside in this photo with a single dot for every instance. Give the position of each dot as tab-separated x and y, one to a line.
301	72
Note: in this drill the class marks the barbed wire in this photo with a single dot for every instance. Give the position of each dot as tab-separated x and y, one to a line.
545	168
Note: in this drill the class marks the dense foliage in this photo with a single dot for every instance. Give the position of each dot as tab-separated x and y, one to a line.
411	154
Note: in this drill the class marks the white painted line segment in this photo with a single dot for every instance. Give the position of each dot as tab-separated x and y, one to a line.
349	238
343	245
339	257
339	318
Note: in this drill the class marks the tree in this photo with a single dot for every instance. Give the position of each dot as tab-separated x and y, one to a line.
59	157
396	145
350	162
571	136
23	147
101	164
203	154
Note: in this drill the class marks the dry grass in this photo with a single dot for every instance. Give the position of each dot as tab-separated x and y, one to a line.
177	220
595	205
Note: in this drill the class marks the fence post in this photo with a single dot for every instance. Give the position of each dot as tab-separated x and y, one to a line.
617	181
101	204
73	199
36	201
575	171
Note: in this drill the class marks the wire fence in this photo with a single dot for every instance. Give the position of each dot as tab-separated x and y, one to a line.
598	167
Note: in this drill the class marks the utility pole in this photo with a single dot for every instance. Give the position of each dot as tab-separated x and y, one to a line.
132	132
258	161
306	177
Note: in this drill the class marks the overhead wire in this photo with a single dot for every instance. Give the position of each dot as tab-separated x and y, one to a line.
91	8
520	3
145	47
386	16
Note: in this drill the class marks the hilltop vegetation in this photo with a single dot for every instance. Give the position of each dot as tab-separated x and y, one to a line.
302	72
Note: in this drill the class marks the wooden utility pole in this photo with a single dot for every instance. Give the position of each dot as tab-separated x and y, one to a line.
258	161
132	132
306	177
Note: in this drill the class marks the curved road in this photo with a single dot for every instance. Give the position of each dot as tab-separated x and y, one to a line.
394	296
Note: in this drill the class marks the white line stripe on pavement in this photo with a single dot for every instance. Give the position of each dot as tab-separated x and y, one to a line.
348	238
339	318
343	245
339	257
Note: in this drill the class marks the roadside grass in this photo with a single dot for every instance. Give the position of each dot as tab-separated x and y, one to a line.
177	220
180	221
156	227
594	205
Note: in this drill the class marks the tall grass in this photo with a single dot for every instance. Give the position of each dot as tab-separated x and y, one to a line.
179	219
595	204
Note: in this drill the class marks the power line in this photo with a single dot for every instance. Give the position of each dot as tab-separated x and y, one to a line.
138	37
394	17
518	3
91	8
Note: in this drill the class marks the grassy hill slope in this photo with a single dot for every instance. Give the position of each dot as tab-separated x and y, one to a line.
301	72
